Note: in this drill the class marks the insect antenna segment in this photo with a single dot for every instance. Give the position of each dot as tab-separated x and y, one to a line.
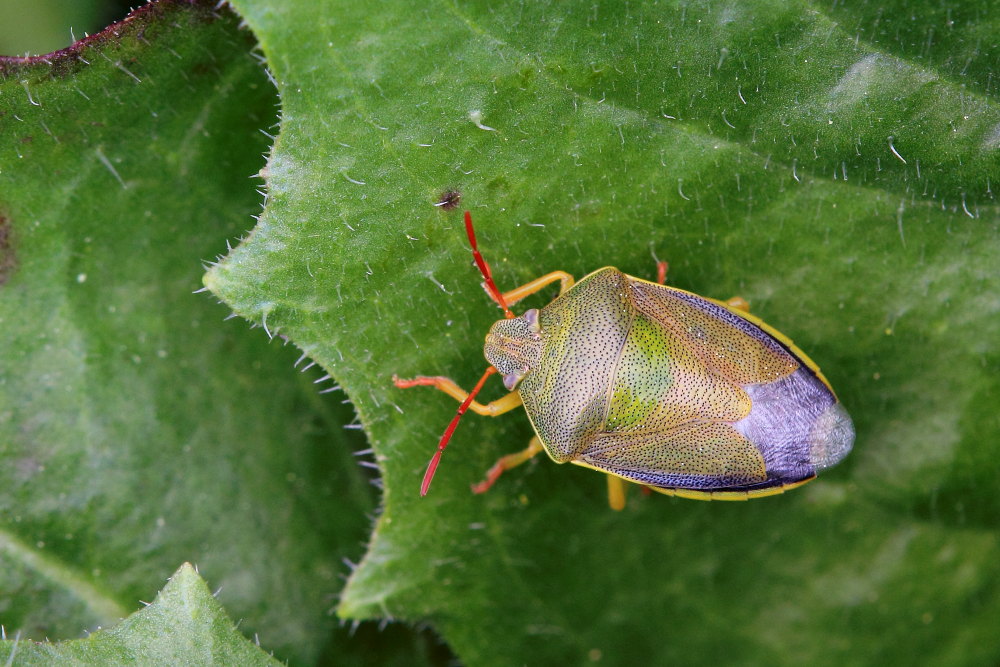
497	296
432	466
484	268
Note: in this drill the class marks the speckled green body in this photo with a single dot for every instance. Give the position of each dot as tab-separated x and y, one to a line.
669	389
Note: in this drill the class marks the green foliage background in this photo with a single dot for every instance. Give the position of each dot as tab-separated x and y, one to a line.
48	25
836	166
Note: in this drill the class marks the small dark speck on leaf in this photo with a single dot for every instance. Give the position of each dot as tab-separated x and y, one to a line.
449	199
8	261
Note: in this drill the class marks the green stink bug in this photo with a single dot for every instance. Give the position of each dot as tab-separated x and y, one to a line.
685	395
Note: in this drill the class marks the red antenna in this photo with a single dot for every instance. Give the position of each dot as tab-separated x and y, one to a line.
484	268
497	295
432	466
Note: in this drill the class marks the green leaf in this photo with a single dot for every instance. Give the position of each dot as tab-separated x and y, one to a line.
185	625
137	428
47	25
836	167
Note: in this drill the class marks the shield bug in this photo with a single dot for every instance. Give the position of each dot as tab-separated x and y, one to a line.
685	395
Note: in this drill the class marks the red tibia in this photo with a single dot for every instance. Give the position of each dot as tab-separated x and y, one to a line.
492	475
432	466
484	268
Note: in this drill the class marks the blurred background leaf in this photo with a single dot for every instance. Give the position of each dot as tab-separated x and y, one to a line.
137	428
185	625
41	26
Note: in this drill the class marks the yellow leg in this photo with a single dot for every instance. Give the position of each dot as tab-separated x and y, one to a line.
528	289
448	386
616	493
739	303
507	462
